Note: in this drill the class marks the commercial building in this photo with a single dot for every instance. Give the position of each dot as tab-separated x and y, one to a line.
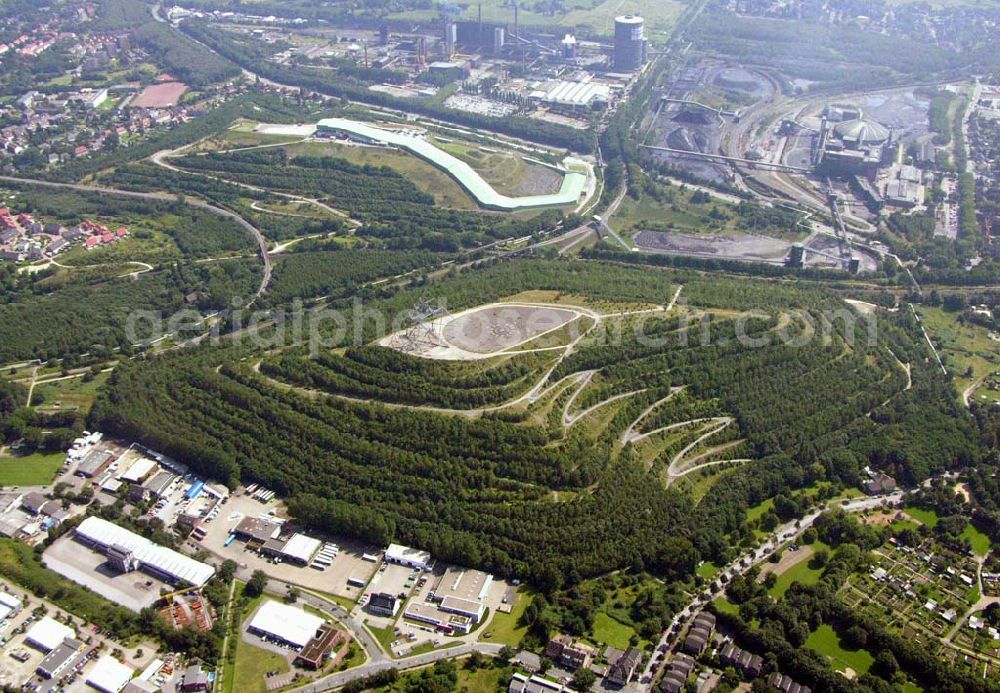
255	529
109	675
286	624
317	651
95	463
47	634
434	616
404	555
131	551
93	101
9	605
297	548
140	471
630	43
462	592
195	679
59	658
383	604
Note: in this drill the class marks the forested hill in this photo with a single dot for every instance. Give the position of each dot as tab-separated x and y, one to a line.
542	501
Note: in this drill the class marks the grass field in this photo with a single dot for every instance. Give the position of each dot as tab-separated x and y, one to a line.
508	174
73	393
611	632
426	177
980	542
726	606
252	663
681	215
36	469
506	629
756	511
926	517
826	641
963	347
385	636
799	572
708	570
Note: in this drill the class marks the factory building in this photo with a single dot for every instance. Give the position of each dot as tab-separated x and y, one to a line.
630	44
854	147
128	551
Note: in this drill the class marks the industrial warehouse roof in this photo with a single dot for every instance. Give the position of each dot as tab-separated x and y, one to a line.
167	561
48	634
139	469
301	547
109	675
287	623
569	194
862	130
573	93
404	554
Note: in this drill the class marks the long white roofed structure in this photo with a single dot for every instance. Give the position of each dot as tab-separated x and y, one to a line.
156	559
569	193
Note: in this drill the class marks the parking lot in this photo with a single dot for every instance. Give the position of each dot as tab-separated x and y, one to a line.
348	563
20	675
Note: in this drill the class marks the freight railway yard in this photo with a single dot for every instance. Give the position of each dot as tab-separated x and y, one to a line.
838	159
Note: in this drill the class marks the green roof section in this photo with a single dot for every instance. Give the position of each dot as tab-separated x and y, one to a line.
569	193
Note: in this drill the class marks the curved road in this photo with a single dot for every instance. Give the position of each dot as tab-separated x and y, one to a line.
165	197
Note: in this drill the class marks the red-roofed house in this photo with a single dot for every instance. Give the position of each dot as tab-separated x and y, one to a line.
80	150
106	237
93	241
121	232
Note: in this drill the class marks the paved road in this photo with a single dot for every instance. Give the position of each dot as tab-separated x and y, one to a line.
165	197
743	563
343	677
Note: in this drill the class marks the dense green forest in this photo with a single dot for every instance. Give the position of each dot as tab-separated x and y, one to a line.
388	376
337	273
79	315
170	49
479	491
390	207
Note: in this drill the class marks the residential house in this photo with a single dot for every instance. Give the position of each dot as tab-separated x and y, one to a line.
749	664
623	668
567	653
677	674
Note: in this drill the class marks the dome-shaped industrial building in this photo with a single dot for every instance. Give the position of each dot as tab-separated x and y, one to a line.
862	131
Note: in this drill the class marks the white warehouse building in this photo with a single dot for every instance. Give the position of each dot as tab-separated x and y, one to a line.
404	555
287	624
128	550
